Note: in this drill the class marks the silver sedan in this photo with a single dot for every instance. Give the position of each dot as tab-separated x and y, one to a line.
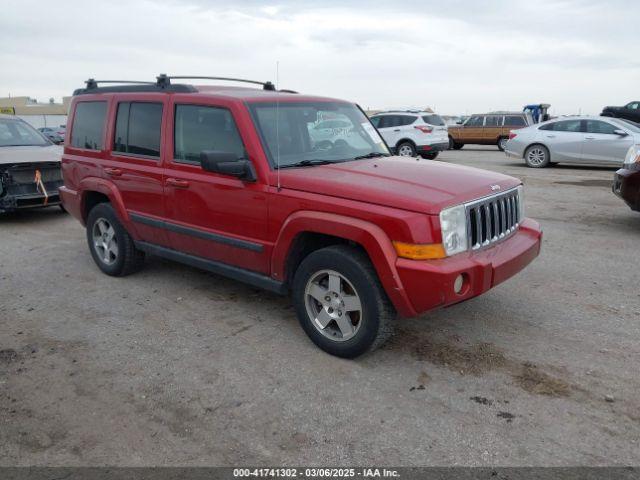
585	140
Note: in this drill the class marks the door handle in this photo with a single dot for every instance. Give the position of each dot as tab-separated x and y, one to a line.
174	182
397	130
551	136
114	172
590	138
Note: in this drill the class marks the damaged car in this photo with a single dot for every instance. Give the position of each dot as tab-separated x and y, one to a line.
30	173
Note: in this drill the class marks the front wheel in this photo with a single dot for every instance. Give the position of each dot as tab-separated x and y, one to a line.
406	149
340	303
453	145
110	245
537	156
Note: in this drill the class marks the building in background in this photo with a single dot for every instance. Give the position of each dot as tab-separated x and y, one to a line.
37	114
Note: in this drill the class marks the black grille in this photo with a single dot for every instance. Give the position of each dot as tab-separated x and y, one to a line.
493	218
24	174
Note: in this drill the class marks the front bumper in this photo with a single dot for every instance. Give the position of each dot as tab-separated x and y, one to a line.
21	197
430	284
626	185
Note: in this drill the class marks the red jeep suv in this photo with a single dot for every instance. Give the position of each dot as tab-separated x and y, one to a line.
240	182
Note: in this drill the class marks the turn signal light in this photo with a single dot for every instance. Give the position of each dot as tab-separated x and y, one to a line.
424	129
512	135
420	252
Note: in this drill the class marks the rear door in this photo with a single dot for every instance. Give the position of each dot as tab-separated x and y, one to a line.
134	162
601	144
210	215
492	129
564	139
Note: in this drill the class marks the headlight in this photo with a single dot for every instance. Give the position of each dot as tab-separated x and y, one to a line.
453	223
520	203
633	155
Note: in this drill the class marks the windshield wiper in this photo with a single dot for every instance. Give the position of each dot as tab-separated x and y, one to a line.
371	155
309	163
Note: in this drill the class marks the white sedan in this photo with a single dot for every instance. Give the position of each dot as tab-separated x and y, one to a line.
584	140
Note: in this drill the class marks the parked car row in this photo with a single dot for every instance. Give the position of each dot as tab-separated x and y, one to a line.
56	135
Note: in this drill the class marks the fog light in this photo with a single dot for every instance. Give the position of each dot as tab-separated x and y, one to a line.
458	284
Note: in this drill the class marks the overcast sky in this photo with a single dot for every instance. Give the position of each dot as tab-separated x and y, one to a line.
456	56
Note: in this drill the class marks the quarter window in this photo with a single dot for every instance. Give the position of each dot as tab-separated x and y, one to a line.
138	128
88	125
199	128
514	121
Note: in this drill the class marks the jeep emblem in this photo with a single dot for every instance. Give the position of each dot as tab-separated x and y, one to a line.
495	187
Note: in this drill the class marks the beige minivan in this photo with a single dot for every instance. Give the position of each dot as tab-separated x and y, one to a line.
487	129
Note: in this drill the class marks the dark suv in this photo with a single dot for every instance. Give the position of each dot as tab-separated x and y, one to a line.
631	111
239	181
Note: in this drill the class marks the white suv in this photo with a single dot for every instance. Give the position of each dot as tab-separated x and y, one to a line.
411	133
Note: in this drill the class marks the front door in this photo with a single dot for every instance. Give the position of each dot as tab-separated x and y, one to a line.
209	215
602	144
472	130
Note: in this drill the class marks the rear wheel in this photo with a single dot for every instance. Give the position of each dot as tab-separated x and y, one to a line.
340	303
111	247
406	149
502	143
537	156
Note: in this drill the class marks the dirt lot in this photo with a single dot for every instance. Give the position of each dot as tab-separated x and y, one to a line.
173	366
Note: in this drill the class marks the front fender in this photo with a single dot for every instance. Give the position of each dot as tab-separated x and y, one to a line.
371	237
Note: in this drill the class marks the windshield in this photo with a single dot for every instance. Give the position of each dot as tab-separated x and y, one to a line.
628	124
433	120
14	133
315	132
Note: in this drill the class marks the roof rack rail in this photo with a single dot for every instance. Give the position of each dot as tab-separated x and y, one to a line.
163	80
122	86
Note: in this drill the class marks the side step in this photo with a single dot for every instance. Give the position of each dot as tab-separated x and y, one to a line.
240	274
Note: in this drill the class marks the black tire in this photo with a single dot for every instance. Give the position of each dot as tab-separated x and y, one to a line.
62	209
431	155
376	319
456	146
537	156
128	258
500	144
407	147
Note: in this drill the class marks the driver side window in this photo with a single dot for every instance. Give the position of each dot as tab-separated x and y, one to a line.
198	128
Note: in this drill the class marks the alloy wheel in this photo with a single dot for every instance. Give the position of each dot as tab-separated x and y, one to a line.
105	241
333	305
536	156
405	151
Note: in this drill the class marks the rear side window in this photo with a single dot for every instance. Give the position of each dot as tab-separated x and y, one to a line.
493	121
433	120
514	121
375	121
138	127
563	126
406	120
88	125
199	128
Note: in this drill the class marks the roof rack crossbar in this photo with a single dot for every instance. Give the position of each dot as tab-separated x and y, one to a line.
163	80
92	83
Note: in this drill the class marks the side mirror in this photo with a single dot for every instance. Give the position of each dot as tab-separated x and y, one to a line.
620	132
227	163
459	122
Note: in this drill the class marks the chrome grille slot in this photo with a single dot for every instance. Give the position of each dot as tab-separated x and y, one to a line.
492	218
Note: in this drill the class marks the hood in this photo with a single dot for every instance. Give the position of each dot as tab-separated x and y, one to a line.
30	154
418	185
610	108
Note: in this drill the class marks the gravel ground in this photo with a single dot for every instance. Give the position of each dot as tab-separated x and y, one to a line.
174	366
